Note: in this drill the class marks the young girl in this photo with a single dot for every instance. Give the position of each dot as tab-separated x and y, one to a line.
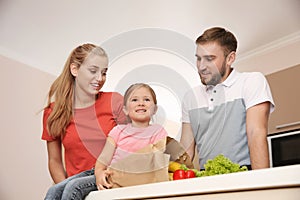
79	117
124	140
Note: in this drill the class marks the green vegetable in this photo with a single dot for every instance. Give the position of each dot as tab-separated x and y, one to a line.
220	165
197	173
184	167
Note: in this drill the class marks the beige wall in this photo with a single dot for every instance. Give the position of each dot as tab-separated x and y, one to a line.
23	168
285	87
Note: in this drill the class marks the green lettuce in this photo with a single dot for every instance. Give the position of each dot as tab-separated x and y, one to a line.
220	165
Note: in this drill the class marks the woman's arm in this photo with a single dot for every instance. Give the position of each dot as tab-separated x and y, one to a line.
118	111
55	163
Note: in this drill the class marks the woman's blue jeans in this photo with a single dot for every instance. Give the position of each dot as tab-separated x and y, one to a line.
76	187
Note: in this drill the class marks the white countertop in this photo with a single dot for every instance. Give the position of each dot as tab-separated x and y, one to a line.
278	177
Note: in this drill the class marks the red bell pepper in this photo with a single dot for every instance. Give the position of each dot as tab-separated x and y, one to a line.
183	174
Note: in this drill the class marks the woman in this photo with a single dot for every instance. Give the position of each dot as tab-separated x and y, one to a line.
79	117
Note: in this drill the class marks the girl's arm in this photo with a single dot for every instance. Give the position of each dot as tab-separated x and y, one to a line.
101	175
55	163
101	172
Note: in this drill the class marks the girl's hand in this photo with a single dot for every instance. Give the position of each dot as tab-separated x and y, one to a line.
101	180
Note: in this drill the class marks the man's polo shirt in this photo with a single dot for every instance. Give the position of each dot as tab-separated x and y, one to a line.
217	115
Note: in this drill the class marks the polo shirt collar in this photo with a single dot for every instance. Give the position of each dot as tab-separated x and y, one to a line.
231	78
228	82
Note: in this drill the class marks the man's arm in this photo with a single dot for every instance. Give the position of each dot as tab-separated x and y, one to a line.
187	139
257	118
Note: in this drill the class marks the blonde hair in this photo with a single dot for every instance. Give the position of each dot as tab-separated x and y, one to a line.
62	90
135	86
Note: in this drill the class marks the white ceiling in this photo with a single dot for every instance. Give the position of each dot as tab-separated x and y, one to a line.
42	33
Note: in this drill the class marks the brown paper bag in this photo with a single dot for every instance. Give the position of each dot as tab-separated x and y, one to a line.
148	165
177	153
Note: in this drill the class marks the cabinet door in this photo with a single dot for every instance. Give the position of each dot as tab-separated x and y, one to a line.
285	87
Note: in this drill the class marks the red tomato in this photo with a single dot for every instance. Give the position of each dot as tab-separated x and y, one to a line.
179	174
190	174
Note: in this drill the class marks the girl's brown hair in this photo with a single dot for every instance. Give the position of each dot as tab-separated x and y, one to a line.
62	90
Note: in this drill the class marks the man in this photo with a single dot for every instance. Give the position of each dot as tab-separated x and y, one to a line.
228	114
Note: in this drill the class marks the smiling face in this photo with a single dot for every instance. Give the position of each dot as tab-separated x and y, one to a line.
213	66
140	106
91	75
215	54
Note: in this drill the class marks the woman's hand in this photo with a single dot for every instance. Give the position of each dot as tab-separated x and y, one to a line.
102	180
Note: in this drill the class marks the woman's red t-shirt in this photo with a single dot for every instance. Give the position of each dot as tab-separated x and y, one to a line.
86	134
